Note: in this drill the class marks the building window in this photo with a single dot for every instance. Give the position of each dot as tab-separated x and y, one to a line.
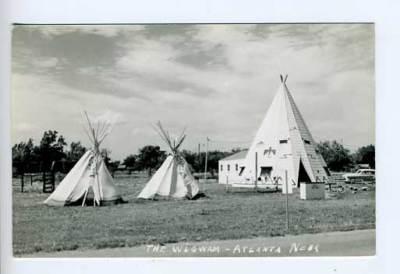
283	141
229	167
222	167
236	167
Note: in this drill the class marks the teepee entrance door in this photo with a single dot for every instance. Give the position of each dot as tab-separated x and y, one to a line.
303	176
89	196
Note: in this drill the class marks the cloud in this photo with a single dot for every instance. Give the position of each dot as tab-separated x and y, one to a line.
51	31
25	127
110	117
216	79
49	62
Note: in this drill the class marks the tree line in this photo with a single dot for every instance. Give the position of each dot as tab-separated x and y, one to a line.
53	150
151	157
339	158
53	153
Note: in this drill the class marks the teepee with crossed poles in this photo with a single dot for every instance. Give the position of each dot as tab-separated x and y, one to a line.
89	181
173	179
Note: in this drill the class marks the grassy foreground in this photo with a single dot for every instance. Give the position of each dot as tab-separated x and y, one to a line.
223	215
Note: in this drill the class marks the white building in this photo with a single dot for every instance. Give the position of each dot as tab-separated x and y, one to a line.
230	167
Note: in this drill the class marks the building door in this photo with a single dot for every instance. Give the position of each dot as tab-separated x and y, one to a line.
266	172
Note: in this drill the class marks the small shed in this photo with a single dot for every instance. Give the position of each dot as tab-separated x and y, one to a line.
312	190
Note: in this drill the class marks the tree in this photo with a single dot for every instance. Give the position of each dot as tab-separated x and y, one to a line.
113	166
22	155
335	155
51	148
75	152
197	161
130	161
192	159
214	157
150	158
365	155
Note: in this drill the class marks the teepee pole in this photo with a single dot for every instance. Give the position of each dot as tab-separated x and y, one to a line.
84	198
88	120
159	132
165	136
180	141
100	190
88	135
183	135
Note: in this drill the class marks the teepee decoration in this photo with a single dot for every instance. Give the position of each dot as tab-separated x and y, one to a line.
284	142
173	179
89	178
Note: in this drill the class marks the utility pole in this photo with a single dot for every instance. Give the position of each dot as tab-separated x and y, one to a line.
199	156
206	160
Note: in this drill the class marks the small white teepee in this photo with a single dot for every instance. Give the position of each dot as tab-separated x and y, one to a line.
89	176
284	143
173	179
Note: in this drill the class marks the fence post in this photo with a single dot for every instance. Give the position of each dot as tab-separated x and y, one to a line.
22	182
44	182
53	180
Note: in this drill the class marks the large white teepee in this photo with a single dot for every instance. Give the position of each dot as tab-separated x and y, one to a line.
173	179
284	143
89	179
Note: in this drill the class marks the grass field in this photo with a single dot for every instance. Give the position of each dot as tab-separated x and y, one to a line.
221	215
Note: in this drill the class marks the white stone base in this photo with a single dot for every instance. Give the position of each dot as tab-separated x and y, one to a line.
312	191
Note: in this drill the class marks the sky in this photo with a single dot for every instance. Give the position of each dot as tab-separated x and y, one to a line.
216	81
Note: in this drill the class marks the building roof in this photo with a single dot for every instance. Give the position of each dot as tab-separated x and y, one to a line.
236	156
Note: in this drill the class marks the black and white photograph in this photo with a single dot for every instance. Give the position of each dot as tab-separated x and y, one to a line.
193	140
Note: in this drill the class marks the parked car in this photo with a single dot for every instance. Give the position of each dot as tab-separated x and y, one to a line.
359	176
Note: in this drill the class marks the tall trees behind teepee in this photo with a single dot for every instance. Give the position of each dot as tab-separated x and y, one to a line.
150	158
365	155
30	157
23	154
339	158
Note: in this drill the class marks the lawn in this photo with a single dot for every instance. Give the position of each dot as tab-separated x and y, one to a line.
222	215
